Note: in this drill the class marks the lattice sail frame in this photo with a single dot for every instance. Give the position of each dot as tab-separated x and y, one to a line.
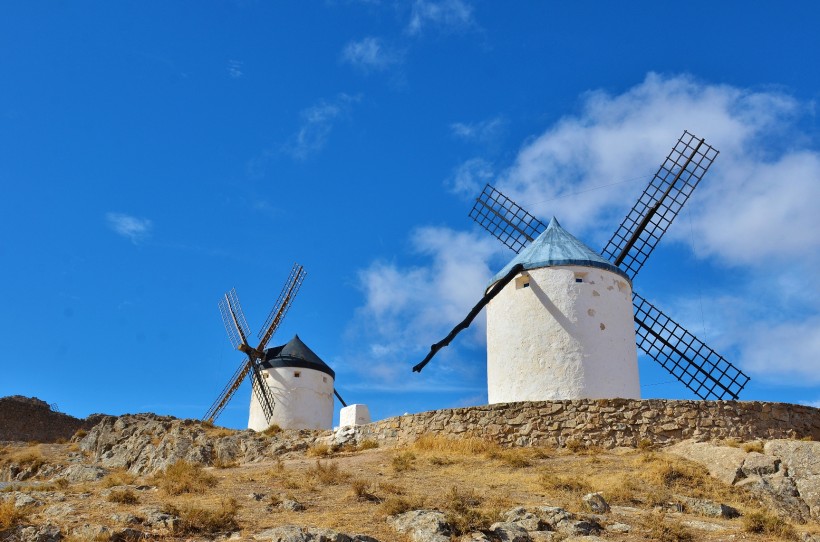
659	204
682	354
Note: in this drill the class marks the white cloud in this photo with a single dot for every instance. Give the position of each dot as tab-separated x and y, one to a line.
235	69
317	123
369	54
131	227
446	14
754	213
485	131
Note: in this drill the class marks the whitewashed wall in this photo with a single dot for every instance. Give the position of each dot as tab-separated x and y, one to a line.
304	402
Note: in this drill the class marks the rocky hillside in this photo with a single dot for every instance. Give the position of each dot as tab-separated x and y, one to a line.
151	477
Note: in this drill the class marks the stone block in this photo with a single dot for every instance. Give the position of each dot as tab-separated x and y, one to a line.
354	415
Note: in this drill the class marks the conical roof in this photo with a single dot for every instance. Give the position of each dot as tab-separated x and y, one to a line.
295	354
556	246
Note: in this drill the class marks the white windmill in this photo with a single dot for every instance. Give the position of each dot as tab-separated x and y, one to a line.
559	320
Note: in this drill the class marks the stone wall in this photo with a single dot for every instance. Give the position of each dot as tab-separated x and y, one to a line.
31	419
603	422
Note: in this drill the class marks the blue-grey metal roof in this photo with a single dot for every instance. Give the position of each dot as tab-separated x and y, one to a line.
295	354
556	246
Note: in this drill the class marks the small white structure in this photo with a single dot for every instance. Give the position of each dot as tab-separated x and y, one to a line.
563	328
301	385
354	415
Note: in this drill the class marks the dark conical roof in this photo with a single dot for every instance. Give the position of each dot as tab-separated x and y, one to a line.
556	246
295	354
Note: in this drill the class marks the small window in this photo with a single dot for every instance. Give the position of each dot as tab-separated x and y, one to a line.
522	282
579	279
324	379
297	374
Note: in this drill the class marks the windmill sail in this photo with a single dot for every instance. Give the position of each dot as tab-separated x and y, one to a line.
505	219
659	204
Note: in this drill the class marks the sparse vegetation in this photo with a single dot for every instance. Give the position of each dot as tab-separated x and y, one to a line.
320	450
184	477
403	461
756	446
123	496
661	528
79	434
272	430
362	492
568	484
206	520
464	446
327	473
462	512
120	477
367	444
398	505
10	516
760	522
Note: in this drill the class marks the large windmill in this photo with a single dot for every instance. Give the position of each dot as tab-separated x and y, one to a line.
705	372
238	332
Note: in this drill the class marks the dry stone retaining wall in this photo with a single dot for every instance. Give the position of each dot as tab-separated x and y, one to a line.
604	422
31	419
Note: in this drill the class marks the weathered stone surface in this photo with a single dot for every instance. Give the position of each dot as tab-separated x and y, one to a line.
156	518
475	537
801	460
290	504
60	510
596	503
619	528
128	535
509	532
521	517
422	525
83	473
42	533
293	533
705	507
759	464
91	532
723	462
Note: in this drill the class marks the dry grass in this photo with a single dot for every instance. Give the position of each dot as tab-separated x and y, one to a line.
30	457
756	446
395	505
463	446
10	516
461	508
119	477
760	522
206	520
184	477
661	528
272	430
403	461
320	450
327	474
367	444
123	496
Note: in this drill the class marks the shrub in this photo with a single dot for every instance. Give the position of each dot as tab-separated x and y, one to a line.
675	474
79	434
645	444
567	484
327	473
756	446
440	461
398	505
198	520
661	529
123	496
272	430
184	477
320	450
574	445
461	511
403	461
361	490
10	516
367	445
763	523
118	478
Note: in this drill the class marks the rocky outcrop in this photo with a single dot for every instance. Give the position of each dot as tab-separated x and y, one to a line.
26	419
293	533
786	475
146	443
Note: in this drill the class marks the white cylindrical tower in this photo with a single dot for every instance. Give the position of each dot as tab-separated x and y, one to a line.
302	388
563	328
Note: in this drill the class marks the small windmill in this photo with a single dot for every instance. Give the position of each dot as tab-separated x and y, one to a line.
238	331
705	372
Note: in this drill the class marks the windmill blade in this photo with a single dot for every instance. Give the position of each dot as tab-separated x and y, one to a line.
660	203
224	397
262	391
234	319
505	219
697	366
464	324
282	305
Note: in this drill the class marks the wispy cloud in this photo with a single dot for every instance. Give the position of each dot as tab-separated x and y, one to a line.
133	228
317	123
485	131
754	215
235	69
449	15
369	54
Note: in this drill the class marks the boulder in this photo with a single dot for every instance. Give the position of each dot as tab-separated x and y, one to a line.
723	462
596	503
83	473
509	532
293	533
705	507
521	517
801	459
422	525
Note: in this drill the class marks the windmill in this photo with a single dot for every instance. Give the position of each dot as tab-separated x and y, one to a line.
702	370
238	332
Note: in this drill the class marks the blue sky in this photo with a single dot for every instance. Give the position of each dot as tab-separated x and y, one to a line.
155	154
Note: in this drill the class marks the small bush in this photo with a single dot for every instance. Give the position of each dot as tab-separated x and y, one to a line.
393	506
566	484
403	461
464	446
645	445
184	477
361	490
118	478
123	496
515	458
367	444
768	524
462	513
273	429
389	487
441	461
61	483
756	446
674	474
79	434
327	473
197	520
320	450
10	516
731	443
221	463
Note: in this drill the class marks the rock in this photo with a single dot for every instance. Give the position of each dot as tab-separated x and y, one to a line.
723	462
521	517
780	493
83	473
706	507
91	532
422	525
545	536
704	526
43	533
802	461
618	528
60	510
596	503
156	518
759	464
256	496
582	527
475	537
292	533
290	504
128	535
126	519
509	532
553	516
21	500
